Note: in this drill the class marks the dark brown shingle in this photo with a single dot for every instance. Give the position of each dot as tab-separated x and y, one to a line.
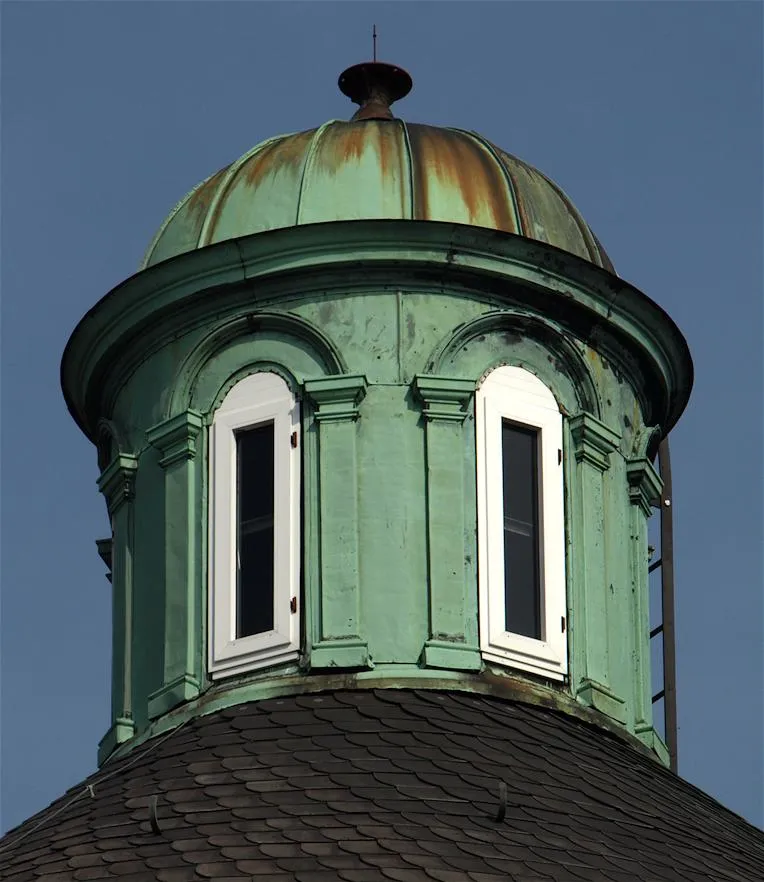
380	785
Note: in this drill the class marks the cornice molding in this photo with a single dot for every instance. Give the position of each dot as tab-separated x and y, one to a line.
336	398
593	441
444	398
122	327
117	481
176	438
645	485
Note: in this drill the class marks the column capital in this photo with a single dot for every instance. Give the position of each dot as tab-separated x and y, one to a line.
645	485
176	438
338	397
444	398
117	481
105	552
593	441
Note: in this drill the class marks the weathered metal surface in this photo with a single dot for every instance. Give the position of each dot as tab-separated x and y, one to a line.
547	216
356	171
263	192
182	228
389	301
456	180
376	168
374	86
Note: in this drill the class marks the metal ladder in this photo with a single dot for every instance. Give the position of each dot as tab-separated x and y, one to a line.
666	564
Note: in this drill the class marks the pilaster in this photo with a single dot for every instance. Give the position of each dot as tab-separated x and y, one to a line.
452	641
593	441
117	483
644	486
592	444
176	441
336	638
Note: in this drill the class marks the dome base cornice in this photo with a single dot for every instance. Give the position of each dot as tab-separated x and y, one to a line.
243	276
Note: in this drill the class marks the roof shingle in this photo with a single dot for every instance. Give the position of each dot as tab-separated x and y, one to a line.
379	785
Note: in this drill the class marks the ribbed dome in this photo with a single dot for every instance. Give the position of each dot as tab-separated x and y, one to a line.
375	168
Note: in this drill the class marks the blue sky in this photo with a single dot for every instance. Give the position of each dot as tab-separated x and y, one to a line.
649	115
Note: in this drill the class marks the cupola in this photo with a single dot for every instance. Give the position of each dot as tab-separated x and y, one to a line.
375	167
377	406
376	424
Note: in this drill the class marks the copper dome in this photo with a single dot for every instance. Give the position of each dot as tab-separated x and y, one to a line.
375	169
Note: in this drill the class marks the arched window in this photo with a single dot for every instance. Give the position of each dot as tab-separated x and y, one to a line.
521	531
254	542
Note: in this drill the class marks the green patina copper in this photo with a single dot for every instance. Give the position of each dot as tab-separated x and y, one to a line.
383	318
375	169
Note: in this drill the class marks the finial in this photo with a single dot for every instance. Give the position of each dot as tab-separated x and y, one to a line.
374	85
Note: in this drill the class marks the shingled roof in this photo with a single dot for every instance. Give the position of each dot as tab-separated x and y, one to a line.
387	784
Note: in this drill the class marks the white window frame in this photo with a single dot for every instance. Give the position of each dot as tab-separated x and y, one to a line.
512	393
257	399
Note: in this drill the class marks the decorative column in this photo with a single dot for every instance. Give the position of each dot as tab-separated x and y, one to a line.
117	483
176	441
593	442
453	614
645	488
336	638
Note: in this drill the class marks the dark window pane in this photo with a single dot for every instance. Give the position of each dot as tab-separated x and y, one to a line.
254	552
522	589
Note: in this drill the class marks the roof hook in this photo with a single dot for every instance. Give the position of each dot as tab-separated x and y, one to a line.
502	809
153	820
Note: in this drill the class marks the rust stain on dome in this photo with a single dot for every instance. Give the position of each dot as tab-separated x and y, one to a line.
462	167
389	147
200	200
286	152
519	201
343	143
377	169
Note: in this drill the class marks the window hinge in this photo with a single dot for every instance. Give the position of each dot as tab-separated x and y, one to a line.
293	604
562	624
559	456
294	439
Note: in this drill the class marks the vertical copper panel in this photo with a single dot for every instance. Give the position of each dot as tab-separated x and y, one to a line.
456	180
264	192
358	171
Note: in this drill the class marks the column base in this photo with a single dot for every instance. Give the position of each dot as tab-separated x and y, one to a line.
456	656
599	697
122	729
352	653
177	691
650	738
